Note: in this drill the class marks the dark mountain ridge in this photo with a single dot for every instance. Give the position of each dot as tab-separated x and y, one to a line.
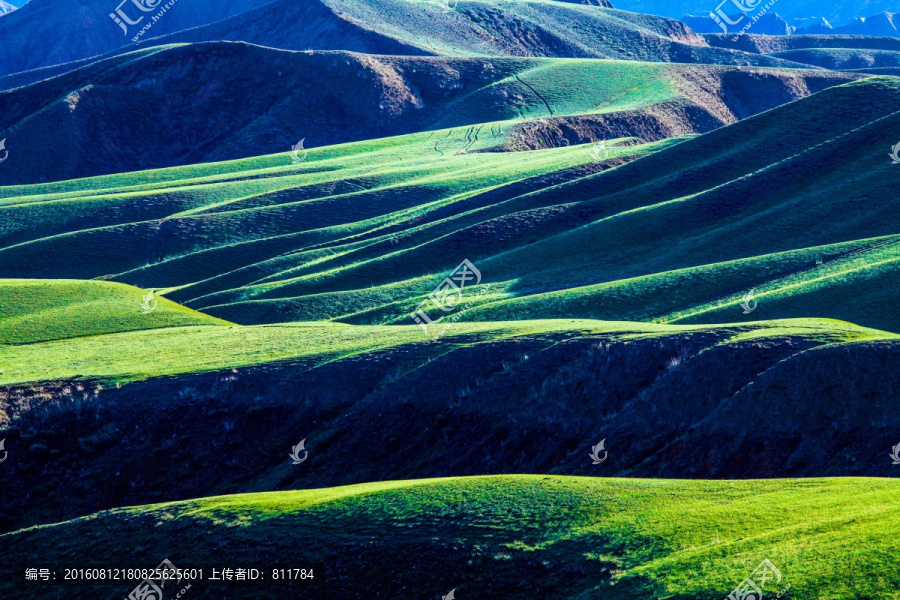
548	29
263	98
48	32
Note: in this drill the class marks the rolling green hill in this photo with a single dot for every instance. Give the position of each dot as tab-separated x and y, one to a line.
96	422
493	537
38	311
451	251
298	95
261	240
608	220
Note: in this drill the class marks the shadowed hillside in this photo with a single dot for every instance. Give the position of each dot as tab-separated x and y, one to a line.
138	111
833	58
49	32
844	52
766	44
470	28
549	299
836	12
561	232
505	537
155	406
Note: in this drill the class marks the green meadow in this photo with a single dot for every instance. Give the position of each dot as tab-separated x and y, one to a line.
686	246
362	232
584	536
166	349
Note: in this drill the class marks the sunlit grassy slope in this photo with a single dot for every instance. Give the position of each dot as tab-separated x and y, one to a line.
179	350
327	98
37	311
675	231
79	407
514	536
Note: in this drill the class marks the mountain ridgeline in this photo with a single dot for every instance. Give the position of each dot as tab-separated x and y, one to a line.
391	96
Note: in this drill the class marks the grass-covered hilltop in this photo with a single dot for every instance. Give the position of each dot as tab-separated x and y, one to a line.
468	299
581	537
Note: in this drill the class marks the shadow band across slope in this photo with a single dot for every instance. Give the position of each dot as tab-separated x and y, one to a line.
363	232
681	234
498	28
501	537
163	415
138	110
